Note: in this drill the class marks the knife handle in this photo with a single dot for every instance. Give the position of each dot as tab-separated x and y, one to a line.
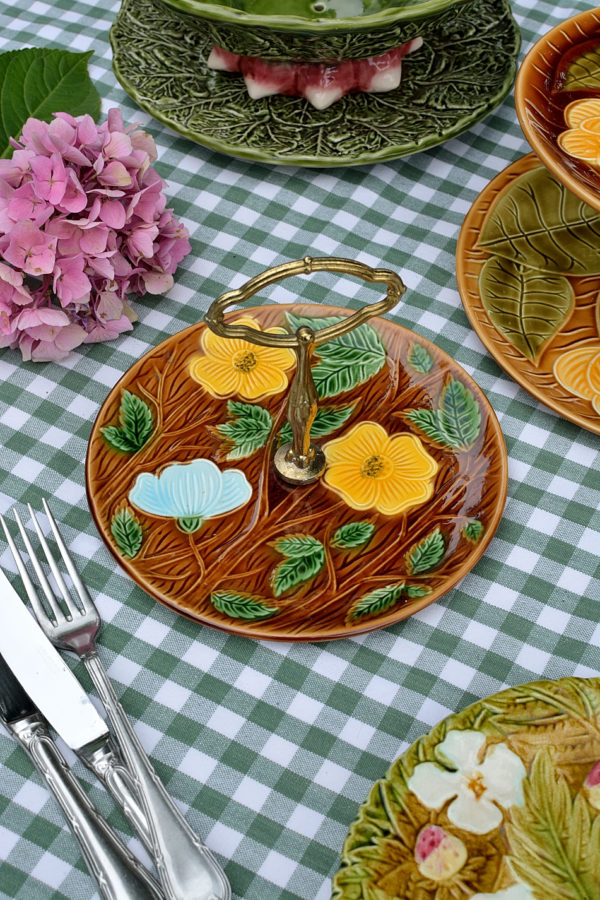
186	867
118	874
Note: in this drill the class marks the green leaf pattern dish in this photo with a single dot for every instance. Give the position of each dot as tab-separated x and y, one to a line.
498	802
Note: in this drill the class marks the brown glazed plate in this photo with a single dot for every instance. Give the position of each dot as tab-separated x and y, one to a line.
528	272
557	96
498	802
181	483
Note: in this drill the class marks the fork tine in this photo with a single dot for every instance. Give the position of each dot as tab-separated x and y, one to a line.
83	593
25	578
64	590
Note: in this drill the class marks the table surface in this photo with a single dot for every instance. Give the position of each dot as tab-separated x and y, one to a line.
270	748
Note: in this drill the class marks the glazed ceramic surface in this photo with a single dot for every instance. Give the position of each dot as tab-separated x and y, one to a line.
560	73
181	484
463	70
498	802
529	278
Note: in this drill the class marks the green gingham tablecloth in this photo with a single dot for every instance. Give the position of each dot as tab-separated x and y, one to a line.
270	748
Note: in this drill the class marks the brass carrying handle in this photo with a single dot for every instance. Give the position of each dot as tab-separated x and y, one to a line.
395	290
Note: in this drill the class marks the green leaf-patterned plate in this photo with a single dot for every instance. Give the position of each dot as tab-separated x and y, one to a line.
181	483
498	802
529	279
463	70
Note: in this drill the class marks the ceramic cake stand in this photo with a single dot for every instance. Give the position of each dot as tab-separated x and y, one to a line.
528	257
340	504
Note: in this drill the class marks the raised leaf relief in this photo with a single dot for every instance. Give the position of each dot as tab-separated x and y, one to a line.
345	362
473	530
583	71
248	430
420	359
457	421
539	223
304	559
528	307
237	605
378	601
427	554
136	424
327	420
127	532
353	535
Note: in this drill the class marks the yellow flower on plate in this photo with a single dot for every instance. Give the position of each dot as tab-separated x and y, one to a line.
231	366
371	469
582	140
578	371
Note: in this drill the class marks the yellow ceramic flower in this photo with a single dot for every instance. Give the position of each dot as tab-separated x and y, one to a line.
232	366
582	140
373	470
578	371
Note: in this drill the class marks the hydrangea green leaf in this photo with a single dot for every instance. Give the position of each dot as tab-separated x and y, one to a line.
348	360
352	535
420	359
327	420
538	223
237	605
304	558
39	82
378	601
527	306
248	429
427	553
127	532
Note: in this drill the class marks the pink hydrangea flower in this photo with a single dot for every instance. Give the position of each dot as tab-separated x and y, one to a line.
83	223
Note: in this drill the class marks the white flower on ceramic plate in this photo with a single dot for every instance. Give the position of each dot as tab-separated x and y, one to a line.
190	492
514	892
480	783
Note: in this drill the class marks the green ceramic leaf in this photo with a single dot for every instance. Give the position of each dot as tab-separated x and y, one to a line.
190	524
136	425
553	837
429	423
528	307
248	431
352	535
39	82
378	601
583	71
459	415
345	362
420	359
417	590
427	553
327	420
473	530
242	606
539	223
127	532
305	557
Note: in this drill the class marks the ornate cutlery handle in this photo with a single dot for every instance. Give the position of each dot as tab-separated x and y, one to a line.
186	867
119	875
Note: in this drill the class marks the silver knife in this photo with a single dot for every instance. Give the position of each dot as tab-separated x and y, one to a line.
118	874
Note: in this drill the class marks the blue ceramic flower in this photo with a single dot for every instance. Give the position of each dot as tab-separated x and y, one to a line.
191	492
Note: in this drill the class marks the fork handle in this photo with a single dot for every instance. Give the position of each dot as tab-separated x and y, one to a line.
118	874
186	867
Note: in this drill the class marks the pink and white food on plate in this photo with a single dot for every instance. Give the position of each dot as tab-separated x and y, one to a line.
319	83
83	223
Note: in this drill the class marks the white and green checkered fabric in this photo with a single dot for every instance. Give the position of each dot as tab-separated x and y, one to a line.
270	748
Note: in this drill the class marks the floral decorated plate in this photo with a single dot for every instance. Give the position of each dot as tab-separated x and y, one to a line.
464	68
181	483
498	802
529	277
557	95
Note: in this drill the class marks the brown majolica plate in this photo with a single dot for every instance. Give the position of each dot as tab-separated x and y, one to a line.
498	802
181	483
528	271
557	96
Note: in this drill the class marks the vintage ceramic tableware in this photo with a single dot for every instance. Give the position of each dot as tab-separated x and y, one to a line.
498	802
557	96
529	277
183	489
462	69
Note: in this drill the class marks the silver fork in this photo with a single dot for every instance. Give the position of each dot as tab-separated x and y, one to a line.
186	867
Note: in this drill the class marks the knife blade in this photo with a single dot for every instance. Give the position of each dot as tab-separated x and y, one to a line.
44	675
115	869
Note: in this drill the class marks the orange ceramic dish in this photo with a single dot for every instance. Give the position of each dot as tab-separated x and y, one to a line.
557	96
